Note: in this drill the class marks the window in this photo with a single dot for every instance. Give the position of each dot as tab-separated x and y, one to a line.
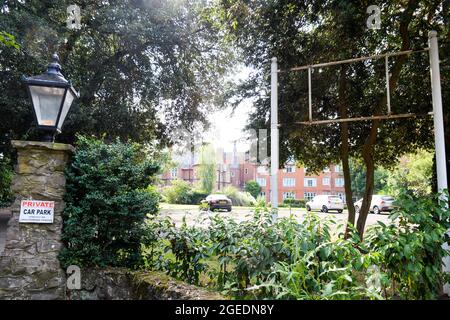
326	181
310	182
174	173
261	181
288	195
339	182
262	169
290	169
262	194
288	182
309	195
232	173
246	170
337	168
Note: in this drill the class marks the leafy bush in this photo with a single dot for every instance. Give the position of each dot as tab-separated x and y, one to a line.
6	174
188	245
286	259
411	247
106	204
181	192
178	192
178	251
239	198
253	188
294	203
196	196
261	202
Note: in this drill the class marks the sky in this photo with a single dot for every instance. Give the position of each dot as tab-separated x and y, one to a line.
227	126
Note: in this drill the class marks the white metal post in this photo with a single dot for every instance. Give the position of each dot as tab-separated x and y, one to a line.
309	95
274	139
439	138
388	92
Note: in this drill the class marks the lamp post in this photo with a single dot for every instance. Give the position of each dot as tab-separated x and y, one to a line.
51	96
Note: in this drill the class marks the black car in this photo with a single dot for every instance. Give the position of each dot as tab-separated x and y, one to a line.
218	201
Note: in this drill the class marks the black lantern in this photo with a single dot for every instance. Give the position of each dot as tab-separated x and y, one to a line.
51	95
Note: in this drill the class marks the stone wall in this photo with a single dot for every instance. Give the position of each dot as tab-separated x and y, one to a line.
29	267
117	283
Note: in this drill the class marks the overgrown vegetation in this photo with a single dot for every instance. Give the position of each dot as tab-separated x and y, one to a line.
6	174
182	192
310	259
293	203
107	201
253	188
238	198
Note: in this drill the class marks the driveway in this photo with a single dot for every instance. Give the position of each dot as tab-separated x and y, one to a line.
195	217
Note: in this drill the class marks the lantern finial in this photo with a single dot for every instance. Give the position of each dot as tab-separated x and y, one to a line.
54	67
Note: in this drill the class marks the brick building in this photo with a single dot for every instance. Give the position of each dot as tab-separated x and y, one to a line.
295	183
235	169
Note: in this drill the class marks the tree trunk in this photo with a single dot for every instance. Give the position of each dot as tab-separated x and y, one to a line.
345	150
368	149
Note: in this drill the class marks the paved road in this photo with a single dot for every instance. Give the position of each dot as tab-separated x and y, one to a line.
195	217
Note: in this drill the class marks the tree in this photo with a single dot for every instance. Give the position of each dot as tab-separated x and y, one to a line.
413	174
253	188
143	68
8	40
207	168
307	32
358	178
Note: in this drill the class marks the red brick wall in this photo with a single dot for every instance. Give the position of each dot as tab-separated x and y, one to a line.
299	189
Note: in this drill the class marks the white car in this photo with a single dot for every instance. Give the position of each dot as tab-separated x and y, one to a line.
380	203
325	203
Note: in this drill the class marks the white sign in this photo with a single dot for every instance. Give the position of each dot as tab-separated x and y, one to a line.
36	211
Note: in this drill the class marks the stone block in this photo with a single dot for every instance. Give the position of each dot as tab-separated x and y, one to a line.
29	266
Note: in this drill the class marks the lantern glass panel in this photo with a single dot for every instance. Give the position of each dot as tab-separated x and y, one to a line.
66	106
46	102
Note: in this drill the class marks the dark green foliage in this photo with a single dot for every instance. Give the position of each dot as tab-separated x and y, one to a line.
358	178
128	60
288	259
179	251
182	192
411	247
196	196
106	204
294	203
253	188
307	32
6	174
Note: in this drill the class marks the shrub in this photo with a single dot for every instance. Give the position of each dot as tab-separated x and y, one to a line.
411	247
178	192
181	192
106	204
286	259
294	203
178	251
6	174
253	188
196	196
239	198
261	202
